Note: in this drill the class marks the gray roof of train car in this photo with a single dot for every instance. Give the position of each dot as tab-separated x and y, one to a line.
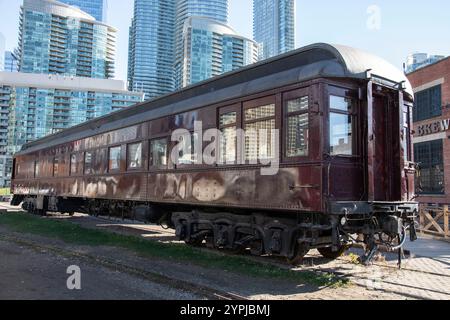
314	61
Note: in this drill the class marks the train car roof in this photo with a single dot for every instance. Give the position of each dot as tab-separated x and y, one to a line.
314	61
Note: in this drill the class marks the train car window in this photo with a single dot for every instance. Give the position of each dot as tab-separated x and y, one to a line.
228	143
297	119
260	112
134	156
101	161
88	161
36	169
341	126
158	152
340	104
76	164
186	149
259	125
229	118
55	166
73	164
114	158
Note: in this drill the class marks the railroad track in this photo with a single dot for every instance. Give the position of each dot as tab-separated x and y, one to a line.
194	288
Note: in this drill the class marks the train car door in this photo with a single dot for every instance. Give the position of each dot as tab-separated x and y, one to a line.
388	150
343	162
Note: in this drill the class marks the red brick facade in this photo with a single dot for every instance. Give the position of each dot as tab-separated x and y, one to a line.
435	74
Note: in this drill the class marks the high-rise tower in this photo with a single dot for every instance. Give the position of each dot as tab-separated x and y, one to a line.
55	38
96	8
211	48
216	10
151	47
274	26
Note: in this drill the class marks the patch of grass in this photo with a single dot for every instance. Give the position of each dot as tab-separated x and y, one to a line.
75	234
354	258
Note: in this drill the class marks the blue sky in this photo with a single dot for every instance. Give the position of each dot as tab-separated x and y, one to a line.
404	26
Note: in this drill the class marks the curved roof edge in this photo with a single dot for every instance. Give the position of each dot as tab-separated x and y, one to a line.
358	62
314	61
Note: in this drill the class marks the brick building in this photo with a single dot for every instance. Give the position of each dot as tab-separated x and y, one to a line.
432	131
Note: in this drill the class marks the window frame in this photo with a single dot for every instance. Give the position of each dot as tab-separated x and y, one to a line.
141	167
150	158
194	163
288	96
407	139
118	169
79	164
428	112
71	163
91	171
238	108
56	164
346	93
252	104
431	163
36	169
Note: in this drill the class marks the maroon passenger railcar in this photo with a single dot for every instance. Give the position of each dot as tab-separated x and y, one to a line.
345	159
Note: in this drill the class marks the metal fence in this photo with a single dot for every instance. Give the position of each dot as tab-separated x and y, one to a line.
435	220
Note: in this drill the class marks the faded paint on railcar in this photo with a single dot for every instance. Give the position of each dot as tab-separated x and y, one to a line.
291	189
123	187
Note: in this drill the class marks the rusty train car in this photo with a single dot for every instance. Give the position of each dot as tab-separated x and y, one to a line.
345	161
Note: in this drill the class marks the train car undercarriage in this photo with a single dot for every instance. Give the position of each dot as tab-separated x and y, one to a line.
262	233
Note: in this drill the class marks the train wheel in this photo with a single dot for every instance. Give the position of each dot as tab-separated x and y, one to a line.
300	252
194	242
257	247
329	254
210	242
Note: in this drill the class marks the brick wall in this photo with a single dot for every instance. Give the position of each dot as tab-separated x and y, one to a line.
438	73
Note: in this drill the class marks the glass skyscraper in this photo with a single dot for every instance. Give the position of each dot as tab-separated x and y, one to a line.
211	48
11	62
35	105
55	38
155	56
96	8
151	47
274	26
416	61
216	10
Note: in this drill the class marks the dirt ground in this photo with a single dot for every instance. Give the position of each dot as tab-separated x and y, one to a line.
29	271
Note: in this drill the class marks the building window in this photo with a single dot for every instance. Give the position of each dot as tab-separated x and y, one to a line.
259	129
227	127
341	126
297	119
114	158
134	156
428	103
158	152
429	157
